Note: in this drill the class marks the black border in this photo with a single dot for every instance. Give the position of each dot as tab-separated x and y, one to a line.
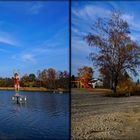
70	6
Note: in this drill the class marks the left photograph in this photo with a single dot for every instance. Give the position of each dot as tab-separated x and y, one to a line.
34	73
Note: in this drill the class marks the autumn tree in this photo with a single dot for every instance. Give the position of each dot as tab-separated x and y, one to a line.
138	82
32	77
105	76
51	76
116	51
62	79
42	77
86	73
24	81
126	84
52	79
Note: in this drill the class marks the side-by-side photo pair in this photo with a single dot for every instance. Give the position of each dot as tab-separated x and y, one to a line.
70	70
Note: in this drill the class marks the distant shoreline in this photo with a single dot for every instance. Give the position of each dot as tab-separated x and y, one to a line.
35	89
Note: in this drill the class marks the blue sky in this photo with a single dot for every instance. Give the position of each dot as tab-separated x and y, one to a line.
84	14
33	36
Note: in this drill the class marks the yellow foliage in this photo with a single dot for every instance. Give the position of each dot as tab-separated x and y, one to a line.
126	86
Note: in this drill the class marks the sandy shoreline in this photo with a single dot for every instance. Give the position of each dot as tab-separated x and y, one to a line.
94	116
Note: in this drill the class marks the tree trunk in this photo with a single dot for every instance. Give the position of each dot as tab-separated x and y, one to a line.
115	83
115	89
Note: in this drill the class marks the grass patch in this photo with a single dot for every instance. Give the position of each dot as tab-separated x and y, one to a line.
35	89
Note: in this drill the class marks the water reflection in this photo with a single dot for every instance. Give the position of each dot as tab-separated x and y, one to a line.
43	115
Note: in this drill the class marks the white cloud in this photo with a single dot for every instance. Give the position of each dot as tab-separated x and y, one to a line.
7	41
32	56
75	30
55	46
78	32
24	57
6	38
128	17
133	22
35	8
89	12
133	37
79	46
27	57
84	17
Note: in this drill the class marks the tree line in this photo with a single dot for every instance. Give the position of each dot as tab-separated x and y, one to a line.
47	78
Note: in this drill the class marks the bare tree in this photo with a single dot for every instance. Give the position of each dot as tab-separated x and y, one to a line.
117	53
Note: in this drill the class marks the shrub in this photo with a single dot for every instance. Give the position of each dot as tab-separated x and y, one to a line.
126	86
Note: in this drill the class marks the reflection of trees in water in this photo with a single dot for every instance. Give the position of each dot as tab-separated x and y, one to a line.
18	106
49	103
54	102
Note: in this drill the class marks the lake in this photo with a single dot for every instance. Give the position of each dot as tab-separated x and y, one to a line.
44	116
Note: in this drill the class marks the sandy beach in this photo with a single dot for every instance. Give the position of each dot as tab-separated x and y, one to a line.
94	116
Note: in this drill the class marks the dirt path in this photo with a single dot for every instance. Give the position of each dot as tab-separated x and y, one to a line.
97	117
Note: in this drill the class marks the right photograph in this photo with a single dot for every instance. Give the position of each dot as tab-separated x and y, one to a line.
105	73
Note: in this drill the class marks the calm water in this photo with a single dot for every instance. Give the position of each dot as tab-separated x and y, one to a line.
44	115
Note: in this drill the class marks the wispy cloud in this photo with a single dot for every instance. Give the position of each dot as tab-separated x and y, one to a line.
27	57
128	17
32	55
24	57
52	47
3	50
79	46
78	33
35	8
131	20
89	12
51	51
6	38
7	41
86	16
57	39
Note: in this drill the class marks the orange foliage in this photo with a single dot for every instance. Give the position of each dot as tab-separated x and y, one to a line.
126	86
